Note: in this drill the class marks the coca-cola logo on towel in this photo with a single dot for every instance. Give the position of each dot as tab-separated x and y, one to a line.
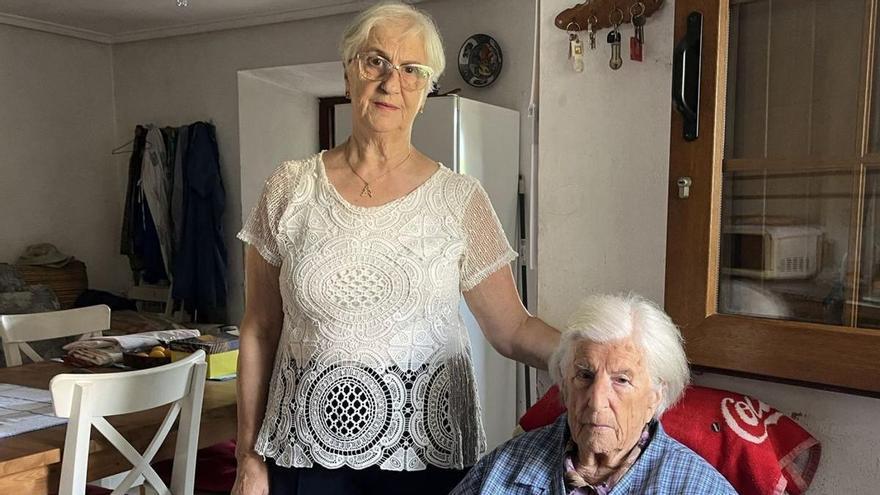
748	418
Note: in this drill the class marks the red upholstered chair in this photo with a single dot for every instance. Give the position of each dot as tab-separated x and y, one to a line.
757	448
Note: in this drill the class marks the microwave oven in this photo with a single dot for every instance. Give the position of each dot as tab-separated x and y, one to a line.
771	251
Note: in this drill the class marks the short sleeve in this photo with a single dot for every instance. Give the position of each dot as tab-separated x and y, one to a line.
486	247
262	226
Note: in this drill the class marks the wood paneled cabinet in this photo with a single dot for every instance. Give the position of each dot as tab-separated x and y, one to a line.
773	256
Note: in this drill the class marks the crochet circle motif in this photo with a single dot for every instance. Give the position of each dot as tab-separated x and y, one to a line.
349	409
357	290
437	410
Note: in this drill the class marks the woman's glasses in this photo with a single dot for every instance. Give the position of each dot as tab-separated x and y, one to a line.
374	67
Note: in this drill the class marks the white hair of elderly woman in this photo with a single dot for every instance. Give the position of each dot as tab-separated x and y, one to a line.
355	36
608	318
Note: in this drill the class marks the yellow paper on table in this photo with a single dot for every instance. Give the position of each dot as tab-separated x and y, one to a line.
220	364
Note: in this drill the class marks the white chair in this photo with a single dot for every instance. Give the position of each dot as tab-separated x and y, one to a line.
17	330
86	399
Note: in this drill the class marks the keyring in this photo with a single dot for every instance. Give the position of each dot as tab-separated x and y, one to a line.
632	10
575	23
611	16
593	20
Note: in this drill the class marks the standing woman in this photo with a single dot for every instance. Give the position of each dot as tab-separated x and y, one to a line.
355	372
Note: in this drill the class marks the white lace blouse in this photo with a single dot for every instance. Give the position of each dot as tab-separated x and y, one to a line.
373	366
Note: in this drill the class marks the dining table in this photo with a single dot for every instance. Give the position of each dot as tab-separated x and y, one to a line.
30	463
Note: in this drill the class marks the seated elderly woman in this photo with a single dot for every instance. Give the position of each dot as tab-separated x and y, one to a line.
619	366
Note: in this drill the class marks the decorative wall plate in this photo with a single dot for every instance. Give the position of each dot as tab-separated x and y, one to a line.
479	60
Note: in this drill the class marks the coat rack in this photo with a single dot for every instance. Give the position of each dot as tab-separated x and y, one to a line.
600	12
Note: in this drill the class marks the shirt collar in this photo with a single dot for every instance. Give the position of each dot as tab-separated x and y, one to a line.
607	485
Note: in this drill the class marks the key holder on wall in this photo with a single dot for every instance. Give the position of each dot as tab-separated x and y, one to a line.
598	13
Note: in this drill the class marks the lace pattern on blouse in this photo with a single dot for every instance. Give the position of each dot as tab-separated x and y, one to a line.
374	365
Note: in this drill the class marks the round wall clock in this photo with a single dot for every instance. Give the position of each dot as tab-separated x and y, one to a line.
479	60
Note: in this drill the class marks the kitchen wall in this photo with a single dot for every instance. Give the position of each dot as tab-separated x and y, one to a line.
57	178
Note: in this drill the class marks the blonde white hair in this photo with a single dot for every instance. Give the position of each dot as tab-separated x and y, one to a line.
420	23
608	318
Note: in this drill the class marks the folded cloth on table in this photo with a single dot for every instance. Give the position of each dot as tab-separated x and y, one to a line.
87	358
120	343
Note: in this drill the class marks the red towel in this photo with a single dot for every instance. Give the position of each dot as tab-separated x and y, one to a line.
757	448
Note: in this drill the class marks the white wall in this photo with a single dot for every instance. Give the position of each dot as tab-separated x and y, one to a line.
276	124
57	178
602	212
604	146
174	81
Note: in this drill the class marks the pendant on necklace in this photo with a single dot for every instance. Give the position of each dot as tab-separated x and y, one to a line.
366	191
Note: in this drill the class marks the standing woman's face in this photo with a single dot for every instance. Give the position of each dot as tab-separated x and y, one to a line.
389	104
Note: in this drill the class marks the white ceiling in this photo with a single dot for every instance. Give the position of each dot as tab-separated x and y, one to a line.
113	21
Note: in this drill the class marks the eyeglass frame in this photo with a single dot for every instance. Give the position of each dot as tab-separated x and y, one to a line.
393	66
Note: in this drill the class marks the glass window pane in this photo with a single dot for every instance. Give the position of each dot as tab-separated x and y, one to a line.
784	243
836	78
792	158
869	274
747	80
874	124
793	79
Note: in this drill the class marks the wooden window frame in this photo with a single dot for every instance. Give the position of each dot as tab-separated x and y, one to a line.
824	356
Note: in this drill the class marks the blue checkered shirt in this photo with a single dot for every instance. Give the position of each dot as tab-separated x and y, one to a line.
533	463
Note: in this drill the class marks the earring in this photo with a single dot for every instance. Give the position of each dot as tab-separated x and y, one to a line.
422	110
347	94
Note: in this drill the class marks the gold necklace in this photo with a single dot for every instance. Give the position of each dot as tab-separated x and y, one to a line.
366	191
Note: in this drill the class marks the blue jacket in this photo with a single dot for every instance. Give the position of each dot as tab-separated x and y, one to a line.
200	264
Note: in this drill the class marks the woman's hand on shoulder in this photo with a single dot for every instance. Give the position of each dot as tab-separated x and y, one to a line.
251	477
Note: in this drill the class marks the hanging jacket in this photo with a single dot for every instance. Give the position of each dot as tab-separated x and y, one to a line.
200	267
156	187
132	213
177	188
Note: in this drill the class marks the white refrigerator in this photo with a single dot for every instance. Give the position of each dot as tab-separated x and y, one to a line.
480	140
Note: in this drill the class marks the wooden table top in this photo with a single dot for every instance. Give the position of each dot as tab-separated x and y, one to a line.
31	462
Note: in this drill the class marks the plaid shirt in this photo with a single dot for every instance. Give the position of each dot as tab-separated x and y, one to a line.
533	464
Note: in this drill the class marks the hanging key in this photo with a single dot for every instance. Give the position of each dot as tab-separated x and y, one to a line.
591	28
639	23
615	18
576	52
614	40
637	41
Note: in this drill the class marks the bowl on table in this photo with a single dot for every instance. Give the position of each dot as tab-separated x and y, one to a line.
146	357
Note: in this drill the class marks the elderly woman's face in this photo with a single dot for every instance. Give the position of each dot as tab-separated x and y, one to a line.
609	396
384	106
